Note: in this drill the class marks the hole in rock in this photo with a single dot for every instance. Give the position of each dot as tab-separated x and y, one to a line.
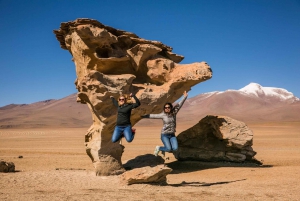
103	52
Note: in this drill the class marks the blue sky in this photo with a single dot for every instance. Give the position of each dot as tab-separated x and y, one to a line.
242	40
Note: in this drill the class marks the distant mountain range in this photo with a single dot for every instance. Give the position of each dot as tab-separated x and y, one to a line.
253	103
65	112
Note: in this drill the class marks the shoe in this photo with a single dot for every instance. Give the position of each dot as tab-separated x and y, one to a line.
156	150
133	131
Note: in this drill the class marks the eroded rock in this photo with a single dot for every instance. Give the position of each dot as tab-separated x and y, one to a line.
216	138
110	62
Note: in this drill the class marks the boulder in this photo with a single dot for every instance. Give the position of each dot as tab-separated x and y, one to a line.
216	138
6	166
156	174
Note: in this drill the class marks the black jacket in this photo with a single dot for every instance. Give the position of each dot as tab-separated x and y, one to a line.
124	111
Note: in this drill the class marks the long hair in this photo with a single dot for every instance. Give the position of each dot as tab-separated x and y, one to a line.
127	98
171	107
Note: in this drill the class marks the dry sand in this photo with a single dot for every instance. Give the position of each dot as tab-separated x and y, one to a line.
55	167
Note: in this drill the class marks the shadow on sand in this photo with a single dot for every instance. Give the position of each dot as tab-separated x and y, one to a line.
197	184
184	166
192	166
180	167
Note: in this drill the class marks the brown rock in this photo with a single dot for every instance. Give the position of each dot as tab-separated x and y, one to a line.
6	166
156	174
108	165
216	138
110	62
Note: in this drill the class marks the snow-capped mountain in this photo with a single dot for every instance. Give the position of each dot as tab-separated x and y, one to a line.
269	92
251	91
250	103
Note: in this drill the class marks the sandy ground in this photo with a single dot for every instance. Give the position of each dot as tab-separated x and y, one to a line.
55	167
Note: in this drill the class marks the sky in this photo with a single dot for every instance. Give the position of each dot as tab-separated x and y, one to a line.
243	41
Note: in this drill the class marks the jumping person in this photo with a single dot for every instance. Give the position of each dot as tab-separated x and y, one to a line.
169	126
123	126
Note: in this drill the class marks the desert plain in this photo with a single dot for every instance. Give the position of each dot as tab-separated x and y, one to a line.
51	164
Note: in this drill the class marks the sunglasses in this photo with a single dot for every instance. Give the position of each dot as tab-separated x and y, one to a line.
121	99
167	107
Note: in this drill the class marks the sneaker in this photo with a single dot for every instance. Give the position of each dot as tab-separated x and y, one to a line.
156	150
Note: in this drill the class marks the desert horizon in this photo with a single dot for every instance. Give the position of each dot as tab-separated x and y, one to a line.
248	107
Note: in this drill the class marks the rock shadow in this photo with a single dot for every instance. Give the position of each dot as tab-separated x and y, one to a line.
143	161
197	184
179	167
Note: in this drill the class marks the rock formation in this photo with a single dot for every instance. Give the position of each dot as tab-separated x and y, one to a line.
110	62
216	138
6	166
157	174
145	169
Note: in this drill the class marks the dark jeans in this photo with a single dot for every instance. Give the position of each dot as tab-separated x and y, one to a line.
120	131
170	142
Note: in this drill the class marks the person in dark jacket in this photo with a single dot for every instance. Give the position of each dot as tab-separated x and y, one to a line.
123	125
169	126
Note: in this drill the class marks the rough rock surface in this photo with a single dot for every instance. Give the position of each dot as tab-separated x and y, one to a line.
6	166
157	174
143	161
110	62
145	169
216	138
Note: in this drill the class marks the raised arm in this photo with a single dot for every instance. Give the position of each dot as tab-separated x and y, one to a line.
137	101
179	105
114	101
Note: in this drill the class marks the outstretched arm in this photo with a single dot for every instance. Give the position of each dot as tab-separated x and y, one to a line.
114	101
179	105
153	116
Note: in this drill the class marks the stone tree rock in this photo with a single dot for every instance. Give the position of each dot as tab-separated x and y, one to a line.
110	62
216	138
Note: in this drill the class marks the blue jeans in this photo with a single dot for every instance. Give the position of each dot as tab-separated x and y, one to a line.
170	142
120	131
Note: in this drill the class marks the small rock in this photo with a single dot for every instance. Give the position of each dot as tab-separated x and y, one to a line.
157	175
7	166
